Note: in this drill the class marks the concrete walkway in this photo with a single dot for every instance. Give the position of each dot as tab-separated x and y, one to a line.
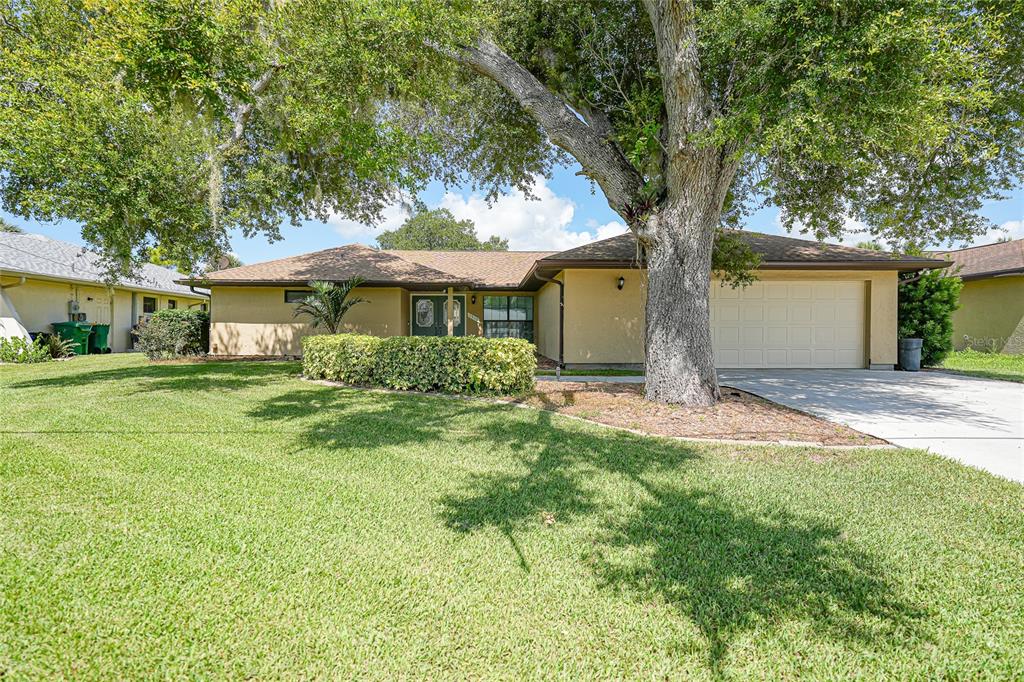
979	422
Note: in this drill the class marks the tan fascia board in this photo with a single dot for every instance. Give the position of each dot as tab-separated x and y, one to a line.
100	285
900	265
391	284
1009	272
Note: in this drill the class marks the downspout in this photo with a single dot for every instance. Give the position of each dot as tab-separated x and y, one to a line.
209	307
561	323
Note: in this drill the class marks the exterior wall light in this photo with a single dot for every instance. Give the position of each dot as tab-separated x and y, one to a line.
622	282
472	299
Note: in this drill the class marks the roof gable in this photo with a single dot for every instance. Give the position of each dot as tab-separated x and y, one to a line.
977	262
340	263
772	249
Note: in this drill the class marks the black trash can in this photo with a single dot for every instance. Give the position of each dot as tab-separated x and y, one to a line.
910	354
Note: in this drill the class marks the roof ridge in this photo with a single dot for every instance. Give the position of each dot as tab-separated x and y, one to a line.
462	251
1018	242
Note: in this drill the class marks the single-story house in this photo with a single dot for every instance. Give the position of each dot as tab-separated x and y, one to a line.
814	304
991	314
45	280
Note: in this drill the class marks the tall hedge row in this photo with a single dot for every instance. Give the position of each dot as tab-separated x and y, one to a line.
450	364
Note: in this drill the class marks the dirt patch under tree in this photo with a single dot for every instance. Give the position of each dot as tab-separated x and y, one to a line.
739	415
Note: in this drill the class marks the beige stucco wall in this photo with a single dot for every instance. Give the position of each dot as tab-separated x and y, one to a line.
604	325
546	312
257	321
41	302
991	315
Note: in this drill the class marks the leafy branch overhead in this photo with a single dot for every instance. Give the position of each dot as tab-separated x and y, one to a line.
902	115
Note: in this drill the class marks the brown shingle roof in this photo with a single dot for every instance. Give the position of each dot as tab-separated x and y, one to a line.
499	269
774	250
480	269
513	269
341	263
978	262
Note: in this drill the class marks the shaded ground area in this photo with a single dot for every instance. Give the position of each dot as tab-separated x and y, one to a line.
228	520
739	416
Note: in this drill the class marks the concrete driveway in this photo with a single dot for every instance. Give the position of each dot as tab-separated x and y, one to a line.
979	422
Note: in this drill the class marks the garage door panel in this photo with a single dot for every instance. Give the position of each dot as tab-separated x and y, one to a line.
849	312
800	337
824	313
728	312
800	312
790	324
776	312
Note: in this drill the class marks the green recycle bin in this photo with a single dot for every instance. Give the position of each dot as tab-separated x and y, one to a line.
99	339
75	332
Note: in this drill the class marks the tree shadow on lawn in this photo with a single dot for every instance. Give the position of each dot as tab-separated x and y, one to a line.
334	417
175	376
726	568
671	539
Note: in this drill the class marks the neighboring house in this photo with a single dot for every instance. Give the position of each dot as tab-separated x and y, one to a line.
814	304
41	278
991	314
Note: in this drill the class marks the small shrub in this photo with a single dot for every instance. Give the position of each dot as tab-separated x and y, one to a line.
175	334
450	364
57	347
926	307
24	352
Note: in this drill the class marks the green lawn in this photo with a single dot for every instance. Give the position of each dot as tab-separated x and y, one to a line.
230	520
987	365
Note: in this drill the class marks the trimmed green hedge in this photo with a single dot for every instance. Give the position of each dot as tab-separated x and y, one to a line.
450	364
175	333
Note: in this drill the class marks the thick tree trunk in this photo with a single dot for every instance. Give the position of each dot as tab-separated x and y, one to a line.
680	365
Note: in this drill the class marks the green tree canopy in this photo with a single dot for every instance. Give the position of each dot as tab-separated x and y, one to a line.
438	230
174	122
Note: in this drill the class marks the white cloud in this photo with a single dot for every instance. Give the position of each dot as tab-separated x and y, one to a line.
1013	229
854	231
392	217
542	223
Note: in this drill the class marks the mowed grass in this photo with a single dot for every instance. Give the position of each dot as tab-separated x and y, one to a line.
987	365
230	520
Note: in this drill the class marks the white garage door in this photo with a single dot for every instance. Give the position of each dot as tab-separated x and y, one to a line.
790	324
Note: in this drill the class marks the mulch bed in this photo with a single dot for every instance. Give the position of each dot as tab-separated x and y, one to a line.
739	415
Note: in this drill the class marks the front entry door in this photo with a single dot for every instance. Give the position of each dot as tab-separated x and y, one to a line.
430	315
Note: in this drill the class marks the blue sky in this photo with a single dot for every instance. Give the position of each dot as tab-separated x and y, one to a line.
567	213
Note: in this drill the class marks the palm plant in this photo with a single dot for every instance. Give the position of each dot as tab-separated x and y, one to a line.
328	303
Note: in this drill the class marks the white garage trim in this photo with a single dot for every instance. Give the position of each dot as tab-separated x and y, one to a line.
790	324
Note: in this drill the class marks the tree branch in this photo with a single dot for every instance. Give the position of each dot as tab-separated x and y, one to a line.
240	117
601	159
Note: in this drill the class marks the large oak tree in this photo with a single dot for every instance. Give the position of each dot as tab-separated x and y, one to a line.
170	123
